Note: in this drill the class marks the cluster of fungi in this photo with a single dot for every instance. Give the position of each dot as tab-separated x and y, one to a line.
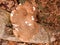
32	22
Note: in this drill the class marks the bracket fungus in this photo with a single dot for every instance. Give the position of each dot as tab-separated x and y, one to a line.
26	28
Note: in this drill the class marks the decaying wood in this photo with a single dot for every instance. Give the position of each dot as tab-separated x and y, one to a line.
4	20
12	43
